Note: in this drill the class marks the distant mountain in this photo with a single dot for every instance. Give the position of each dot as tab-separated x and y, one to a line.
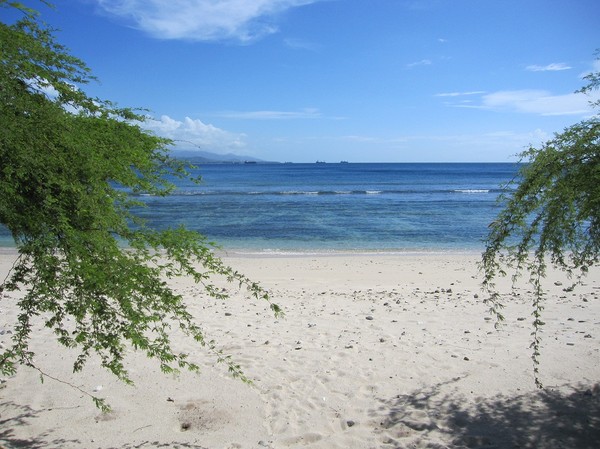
206	157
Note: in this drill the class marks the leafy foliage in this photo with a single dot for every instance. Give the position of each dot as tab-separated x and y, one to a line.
551	217
70	167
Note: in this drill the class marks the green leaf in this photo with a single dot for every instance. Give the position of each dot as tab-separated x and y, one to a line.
551	215
70	169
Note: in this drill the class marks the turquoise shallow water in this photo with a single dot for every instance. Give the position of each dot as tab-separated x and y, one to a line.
337	207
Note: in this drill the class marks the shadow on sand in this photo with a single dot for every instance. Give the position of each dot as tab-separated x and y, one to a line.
563	418
9	440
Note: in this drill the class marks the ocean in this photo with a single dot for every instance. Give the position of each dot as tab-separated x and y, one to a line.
287	208
306	208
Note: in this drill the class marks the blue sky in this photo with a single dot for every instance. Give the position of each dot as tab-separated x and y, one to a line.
356	80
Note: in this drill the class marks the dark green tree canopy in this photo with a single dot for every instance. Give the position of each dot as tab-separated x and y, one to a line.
551	215
87	265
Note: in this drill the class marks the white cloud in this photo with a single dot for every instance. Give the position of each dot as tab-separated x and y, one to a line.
202	20
43	87
554	67
195	134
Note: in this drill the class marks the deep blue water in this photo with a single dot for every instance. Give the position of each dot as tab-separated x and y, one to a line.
324	207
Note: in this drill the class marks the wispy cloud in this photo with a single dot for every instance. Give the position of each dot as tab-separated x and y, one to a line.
419	5
519	138
308	113
194	134
361	139
554	67
300	44
595	67
538	102
419	63
499	145
513	139
202	20
460	94
526	101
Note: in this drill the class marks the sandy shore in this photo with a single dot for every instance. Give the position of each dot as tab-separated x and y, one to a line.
375	351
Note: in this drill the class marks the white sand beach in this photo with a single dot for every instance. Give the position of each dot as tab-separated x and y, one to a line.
375	351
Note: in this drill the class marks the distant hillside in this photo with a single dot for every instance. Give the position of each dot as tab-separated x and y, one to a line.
206	157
